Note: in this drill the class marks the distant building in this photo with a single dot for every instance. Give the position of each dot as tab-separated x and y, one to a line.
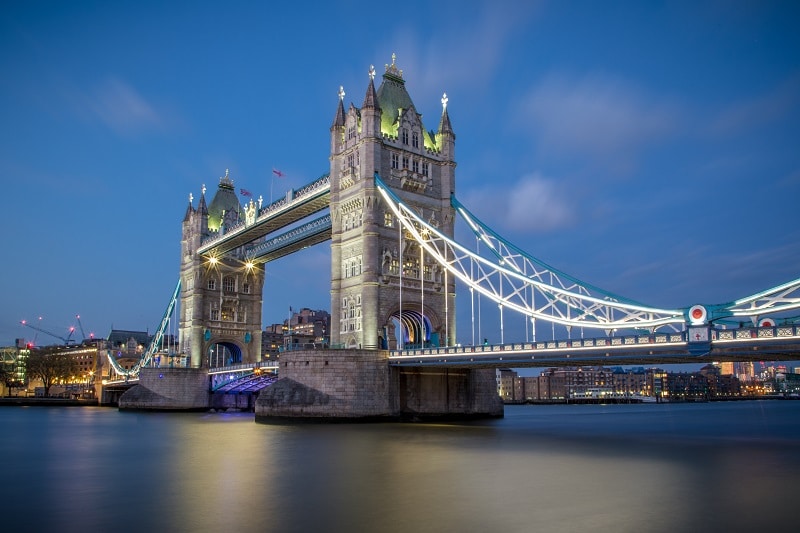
127	347
306	328
579	382
618	384
505	384
630	382
309	327
272	341
13	359
727	368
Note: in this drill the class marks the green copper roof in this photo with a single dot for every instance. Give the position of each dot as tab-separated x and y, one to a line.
225	200
392	97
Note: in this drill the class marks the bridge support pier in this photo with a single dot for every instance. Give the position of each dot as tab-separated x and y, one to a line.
168	389
359	385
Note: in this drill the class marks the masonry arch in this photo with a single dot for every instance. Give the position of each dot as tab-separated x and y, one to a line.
410	329
223	353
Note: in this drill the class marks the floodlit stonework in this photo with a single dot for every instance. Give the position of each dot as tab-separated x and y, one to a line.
374	267
221	298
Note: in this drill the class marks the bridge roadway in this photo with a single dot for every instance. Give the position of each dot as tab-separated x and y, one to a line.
243	377
297	205
303	236
780	343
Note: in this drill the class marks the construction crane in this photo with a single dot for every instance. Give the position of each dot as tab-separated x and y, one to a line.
66	340
83	333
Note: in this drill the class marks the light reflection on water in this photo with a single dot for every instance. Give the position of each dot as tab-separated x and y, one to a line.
542	468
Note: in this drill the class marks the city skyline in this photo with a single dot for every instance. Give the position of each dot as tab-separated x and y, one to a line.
648	150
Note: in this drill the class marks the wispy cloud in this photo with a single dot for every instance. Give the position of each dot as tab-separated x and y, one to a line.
474	40
122	108
770	107
605	118
533	204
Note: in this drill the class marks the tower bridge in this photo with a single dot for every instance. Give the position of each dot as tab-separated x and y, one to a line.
391	203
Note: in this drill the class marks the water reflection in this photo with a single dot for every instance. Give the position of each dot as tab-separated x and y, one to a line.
553	468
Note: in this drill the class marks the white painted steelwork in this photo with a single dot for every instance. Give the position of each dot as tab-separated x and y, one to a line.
531	288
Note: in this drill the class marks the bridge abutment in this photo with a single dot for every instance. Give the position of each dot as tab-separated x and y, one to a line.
359	385
168	389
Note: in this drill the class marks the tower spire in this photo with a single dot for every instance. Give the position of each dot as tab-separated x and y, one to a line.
338	120
201	207
371	98
444	123
189	210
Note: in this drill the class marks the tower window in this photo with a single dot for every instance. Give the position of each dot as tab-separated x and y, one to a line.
415	166
425	169
388	221
404	136
395	161
405	163
415	139
212	284
229	284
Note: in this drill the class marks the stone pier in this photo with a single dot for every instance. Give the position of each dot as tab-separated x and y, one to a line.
168	389
360	386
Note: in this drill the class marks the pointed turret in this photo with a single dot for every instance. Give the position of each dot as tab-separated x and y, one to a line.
202	212
444	123
338	119
371	98
371	110
337	128
202	209
189	210
445	138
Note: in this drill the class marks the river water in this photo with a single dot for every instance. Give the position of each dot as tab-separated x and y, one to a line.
640	468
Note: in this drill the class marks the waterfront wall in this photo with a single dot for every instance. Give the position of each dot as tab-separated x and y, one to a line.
448	393
168	389
330	386
359	385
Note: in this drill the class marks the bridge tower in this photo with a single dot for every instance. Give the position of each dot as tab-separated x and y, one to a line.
385	293
221	297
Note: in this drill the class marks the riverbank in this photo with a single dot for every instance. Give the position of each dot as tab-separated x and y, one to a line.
603	401
45	402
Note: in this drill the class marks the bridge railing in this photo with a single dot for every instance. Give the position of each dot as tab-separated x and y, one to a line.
292	197
291	236
243	367
310	346
717	335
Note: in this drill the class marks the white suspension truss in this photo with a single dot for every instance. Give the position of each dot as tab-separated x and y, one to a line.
516	282
155	344
778	299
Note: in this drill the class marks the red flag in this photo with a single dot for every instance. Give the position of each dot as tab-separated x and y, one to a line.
278	172
245	192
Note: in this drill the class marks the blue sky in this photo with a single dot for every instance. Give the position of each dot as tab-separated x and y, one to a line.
648	148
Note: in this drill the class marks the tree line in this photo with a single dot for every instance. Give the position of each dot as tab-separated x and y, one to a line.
50	365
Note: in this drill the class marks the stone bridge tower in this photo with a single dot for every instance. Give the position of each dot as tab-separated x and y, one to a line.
221	297
385	292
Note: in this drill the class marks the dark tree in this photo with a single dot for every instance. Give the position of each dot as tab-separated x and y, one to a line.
8	377
50	365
